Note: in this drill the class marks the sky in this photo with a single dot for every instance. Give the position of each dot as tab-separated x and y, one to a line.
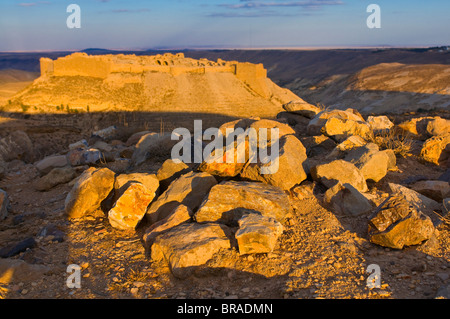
28	25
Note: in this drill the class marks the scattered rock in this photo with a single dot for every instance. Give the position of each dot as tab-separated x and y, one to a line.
339	171
131	206
21	271
293	119
179	215
257	234
240	123
396	224
150	181
438	126
170	171
379	124
45	165
4	204
437	190
229	161
190	189
288	169
102	146
83	144
443	292
302	108
346	146
347	200
283	129
17	145
372	163
303	191
108	133
89	156
318	145
436	150
134	138
445	177
56	176
53	232
316	124
229	200
91	188
16	248
190	245
152	143
418	201
340	129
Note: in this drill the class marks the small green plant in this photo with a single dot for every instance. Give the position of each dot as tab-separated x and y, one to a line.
87	108
24	107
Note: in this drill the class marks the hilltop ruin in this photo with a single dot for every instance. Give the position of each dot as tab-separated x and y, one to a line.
159	83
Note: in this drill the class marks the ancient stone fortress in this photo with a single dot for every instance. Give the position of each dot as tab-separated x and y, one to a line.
82	64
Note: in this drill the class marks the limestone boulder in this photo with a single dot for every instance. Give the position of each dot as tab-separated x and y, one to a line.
4	204
90	156
57	176
257	234
340	129
436	150
45	165
418	201
91	188
342	149
228	201
190	189
134	138
437	190
227	162
339	171
179	215
293	120
379	124
237	124
151	144
169	171
286	170
318	145
190	245
267	125
131	206
303	191
150	181
425	127
17	145
302	108
317	122
372	163
397	224
347	200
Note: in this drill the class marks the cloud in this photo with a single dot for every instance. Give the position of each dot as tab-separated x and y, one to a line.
32	4
251	4
124	10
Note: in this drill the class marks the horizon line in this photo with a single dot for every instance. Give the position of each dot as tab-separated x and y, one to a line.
199	48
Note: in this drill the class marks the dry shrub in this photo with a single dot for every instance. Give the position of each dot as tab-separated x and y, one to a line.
395	139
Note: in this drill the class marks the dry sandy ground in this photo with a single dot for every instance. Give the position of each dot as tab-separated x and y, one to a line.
319	255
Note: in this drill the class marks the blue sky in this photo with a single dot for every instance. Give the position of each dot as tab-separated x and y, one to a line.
27	25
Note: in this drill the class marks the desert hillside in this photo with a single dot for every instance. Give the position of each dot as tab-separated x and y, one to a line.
384	88
161	83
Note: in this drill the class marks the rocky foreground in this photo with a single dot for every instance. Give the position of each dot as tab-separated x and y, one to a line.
349	192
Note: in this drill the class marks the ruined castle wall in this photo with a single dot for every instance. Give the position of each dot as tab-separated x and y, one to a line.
46	66
254	75
82	65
